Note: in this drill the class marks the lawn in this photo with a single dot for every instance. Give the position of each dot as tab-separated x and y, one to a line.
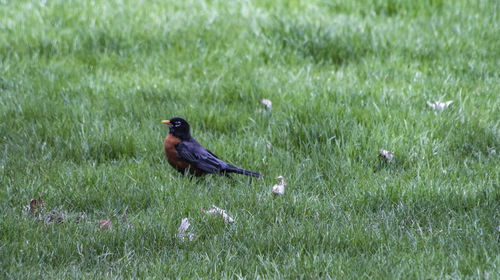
84	86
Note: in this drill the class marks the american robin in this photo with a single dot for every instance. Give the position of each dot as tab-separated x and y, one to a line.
185	153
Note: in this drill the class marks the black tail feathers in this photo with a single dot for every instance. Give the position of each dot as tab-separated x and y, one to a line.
234	169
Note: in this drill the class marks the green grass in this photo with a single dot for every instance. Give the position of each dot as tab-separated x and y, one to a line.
84	85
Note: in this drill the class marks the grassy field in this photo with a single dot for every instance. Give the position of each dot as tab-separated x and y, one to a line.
85	84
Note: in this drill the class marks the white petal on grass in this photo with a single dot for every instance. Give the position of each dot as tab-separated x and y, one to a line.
216	211
279	189
182	230
191	236
386	155
184	226
267	103
439	106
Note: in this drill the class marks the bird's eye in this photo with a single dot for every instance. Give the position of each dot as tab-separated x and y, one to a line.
177	124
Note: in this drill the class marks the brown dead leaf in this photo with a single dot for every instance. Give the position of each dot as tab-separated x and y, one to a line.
37	203
105	224
33	206
41	203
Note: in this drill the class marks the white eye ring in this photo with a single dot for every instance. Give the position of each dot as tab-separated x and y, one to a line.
177	124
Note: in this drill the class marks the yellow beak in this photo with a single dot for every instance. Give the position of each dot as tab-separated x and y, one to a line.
166	122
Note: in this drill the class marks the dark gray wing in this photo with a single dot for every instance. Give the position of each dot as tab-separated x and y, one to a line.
198	156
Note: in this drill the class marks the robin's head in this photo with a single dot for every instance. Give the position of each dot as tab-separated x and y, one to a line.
178	127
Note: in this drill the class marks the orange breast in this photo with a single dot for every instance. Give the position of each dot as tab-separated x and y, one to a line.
173	156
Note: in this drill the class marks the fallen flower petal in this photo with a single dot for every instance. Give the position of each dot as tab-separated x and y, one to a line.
184	226
279	189
386	155
215	211
191	236
267	103
439	105
182	230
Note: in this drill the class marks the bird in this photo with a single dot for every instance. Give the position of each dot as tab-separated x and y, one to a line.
184	153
